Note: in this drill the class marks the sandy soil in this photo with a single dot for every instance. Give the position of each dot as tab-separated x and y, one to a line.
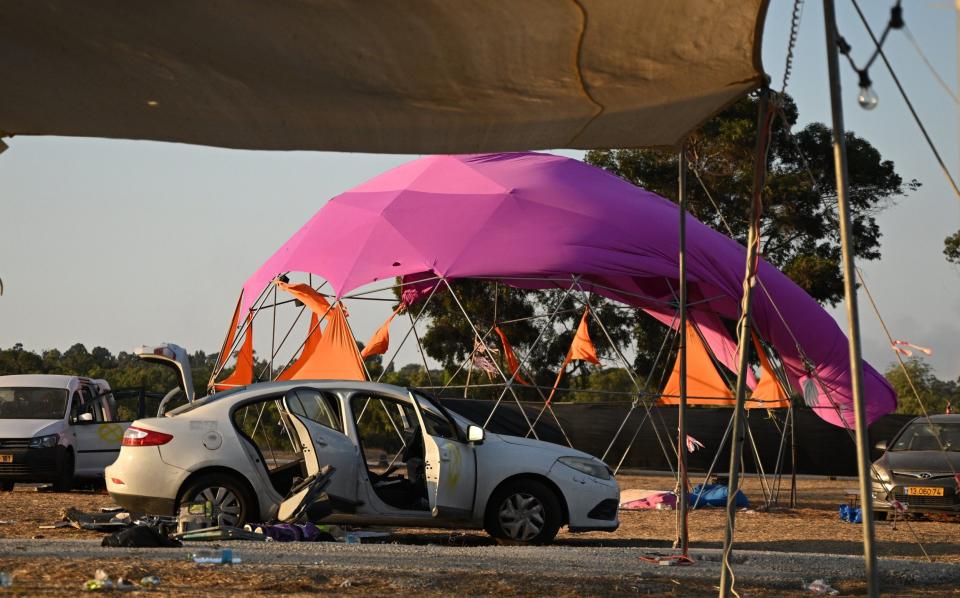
813	527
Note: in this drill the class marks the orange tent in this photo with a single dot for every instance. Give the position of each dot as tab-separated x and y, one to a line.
705	386
309	346
243	371
769	393
334	355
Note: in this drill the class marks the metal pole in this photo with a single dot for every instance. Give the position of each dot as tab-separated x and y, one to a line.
850	292
682	532
743	336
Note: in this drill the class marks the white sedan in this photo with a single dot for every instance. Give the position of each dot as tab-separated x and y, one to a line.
401	459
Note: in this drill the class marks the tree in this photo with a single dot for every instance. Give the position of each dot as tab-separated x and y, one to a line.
799	228
951	248
935	394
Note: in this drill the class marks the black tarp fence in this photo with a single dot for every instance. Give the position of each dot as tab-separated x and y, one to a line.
822	449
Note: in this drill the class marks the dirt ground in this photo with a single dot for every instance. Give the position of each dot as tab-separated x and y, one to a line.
812	527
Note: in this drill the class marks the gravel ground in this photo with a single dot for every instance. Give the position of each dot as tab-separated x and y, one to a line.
776	552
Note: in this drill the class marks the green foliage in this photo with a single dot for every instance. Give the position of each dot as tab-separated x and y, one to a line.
951	248
124	370
936	394
799	229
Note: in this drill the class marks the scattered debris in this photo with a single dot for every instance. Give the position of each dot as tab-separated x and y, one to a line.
222	532
715	495
141	536
819	586
150	582
7	522
642	500
347	583
851	514
6	579
213	557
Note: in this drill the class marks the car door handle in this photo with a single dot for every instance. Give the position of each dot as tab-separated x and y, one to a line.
320	441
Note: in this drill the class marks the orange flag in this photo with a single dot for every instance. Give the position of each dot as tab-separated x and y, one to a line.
306	294
705	386
243	371
380	341
512	360
768	394
582	347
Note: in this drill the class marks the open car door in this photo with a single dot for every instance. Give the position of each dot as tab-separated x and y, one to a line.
450	464
315	416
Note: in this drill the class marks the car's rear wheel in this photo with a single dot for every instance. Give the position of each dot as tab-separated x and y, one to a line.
232	502
524	512
7	485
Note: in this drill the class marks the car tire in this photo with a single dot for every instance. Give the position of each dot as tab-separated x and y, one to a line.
229	496
64	481
523	512
7	485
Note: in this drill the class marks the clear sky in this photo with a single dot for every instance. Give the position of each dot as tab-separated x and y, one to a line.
118	243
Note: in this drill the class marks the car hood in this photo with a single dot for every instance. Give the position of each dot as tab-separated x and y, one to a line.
28	428
559	450
932	461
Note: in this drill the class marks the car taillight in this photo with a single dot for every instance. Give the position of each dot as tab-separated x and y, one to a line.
143	437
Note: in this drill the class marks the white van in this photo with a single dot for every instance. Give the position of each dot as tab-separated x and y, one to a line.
55	428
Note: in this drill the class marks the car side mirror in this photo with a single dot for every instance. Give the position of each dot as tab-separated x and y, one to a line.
475	434
85	417
881	446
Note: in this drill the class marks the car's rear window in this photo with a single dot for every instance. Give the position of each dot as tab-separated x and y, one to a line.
31	402
204	401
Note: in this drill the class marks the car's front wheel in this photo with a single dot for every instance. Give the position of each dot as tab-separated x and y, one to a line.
524	512
230	499
64	481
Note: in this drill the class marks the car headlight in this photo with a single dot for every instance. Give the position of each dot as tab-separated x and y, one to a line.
591	467
48	441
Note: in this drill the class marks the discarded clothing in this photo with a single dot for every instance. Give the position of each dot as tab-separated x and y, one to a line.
715	495
851	514
141	536
643	500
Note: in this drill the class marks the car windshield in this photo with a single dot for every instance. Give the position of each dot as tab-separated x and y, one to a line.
922	436
32	403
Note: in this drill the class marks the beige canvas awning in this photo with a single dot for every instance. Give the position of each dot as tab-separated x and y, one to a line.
417	76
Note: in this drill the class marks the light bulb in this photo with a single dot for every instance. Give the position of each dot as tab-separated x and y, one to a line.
868	98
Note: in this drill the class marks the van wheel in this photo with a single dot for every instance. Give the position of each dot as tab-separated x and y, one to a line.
231	499
64	481
7	485
523	512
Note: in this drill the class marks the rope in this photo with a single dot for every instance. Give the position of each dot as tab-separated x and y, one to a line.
926	61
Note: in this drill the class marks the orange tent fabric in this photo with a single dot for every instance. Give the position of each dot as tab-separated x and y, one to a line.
705	386
227	347
306	294
581	348
380	341
768	394
336	356
511	357
243	371
309	346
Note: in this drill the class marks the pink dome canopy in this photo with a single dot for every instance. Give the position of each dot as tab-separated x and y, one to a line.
549	218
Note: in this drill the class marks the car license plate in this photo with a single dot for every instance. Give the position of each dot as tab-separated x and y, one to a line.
924	491
6	458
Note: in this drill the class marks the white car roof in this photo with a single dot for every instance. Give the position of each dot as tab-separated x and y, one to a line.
38	380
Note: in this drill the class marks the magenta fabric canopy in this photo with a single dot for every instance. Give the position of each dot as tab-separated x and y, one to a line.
553	219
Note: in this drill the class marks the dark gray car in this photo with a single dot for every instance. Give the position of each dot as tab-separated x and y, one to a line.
919	467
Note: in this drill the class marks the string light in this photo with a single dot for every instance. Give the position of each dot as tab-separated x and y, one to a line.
867	97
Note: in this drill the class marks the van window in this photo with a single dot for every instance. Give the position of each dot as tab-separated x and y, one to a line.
32	403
